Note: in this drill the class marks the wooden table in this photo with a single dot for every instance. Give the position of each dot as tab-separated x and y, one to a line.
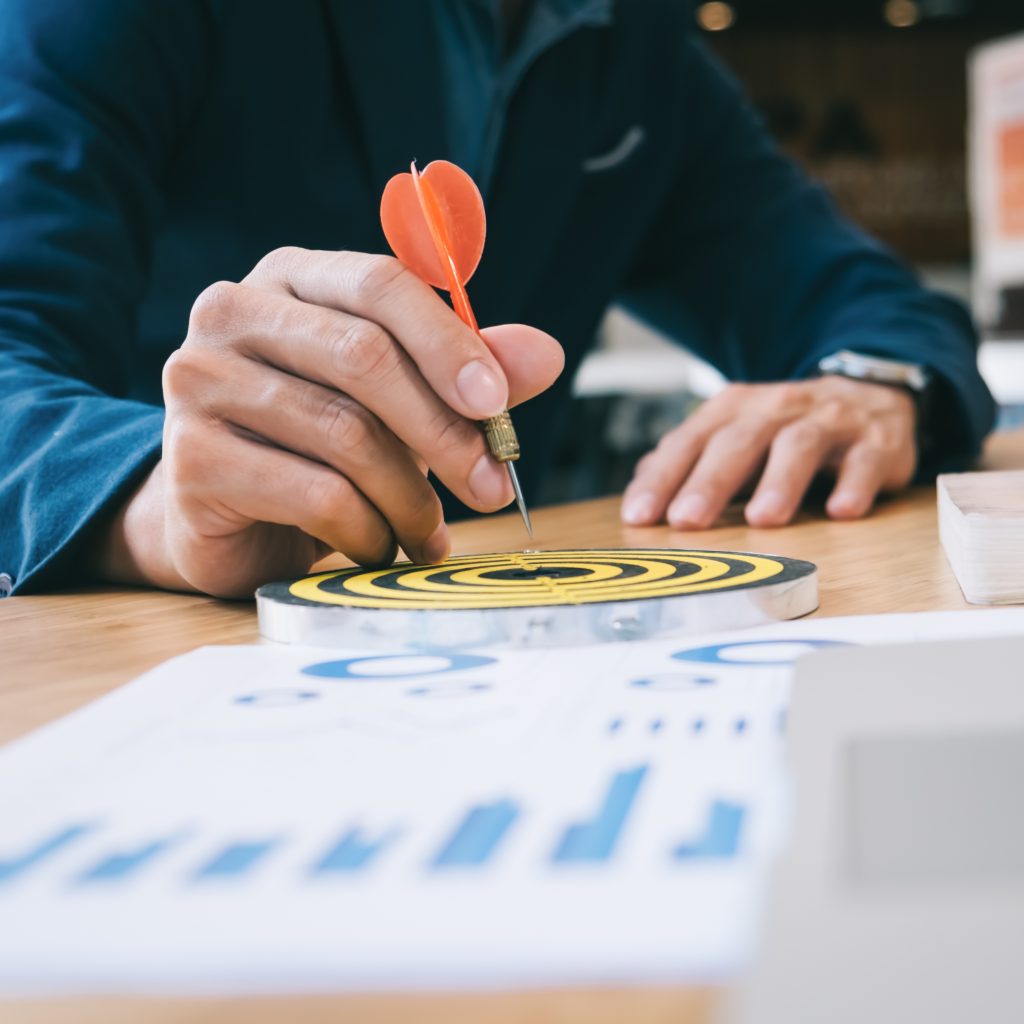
63	650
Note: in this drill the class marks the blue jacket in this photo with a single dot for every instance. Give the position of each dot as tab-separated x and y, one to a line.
148	149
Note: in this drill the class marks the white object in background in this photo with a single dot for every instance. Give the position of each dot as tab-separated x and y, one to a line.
1001	362
633	359
996	143
981	526
901	895
264	818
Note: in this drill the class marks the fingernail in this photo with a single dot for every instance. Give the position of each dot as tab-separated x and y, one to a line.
436	546
639	509
690	510
489	483
481	389
771	507
844	503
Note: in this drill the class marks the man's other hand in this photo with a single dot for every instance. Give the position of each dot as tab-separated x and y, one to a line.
782	435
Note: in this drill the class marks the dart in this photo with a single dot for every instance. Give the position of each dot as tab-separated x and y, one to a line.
435	223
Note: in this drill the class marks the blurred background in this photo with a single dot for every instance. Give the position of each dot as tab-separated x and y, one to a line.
911	112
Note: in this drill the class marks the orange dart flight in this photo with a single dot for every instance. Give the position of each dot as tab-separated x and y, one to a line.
436	225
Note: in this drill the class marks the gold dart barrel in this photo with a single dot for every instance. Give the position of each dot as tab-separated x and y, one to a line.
504	446
501	437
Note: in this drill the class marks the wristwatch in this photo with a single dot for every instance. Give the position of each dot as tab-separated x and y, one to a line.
913	377
857	366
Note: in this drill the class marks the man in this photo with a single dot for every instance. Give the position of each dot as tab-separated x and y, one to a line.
196	183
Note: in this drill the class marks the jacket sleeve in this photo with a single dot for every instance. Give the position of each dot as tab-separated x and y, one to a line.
752	266
92	99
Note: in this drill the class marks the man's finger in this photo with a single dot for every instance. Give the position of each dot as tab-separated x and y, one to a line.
226	476
333	429
861	476
452	358
730	457
532	360
659	474
360	359
796	454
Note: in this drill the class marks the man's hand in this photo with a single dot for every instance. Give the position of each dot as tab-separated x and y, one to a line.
786	433
303	411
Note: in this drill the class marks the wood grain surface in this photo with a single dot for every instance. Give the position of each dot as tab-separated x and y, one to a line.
63	650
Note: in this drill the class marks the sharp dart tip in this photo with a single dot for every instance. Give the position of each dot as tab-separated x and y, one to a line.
520	500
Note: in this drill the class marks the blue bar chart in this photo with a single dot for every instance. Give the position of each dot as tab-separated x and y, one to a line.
477	836
118	866
473	841
236	859
15	866
354	851
595	840
721	835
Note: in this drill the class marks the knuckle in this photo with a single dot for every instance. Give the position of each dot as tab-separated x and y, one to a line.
328	498
834	414
346	425
454	439
363	350
216	307
184	375
742	435
176	375
805	435
735	392
787	396
372	277
278	261
192	376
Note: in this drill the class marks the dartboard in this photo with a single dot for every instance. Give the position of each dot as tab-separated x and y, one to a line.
539	579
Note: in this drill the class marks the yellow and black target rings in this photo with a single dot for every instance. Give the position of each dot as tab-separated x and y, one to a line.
539	579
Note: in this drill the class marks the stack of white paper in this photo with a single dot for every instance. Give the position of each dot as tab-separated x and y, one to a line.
981	524
252	819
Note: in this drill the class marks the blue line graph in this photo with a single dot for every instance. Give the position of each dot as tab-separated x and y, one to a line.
476	838
235	860
11	869
721	834
754	652
396	666
119	866
355	851
595	840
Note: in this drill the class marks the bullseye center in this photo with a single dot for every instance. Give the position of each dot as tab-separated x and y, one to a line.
551	572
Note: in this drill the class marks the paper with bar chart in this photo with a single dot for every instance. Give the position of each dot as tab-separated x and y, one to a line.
266	818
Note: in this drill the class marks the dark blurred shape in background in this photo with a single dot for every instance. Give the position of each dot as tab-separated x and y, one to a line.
871	97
